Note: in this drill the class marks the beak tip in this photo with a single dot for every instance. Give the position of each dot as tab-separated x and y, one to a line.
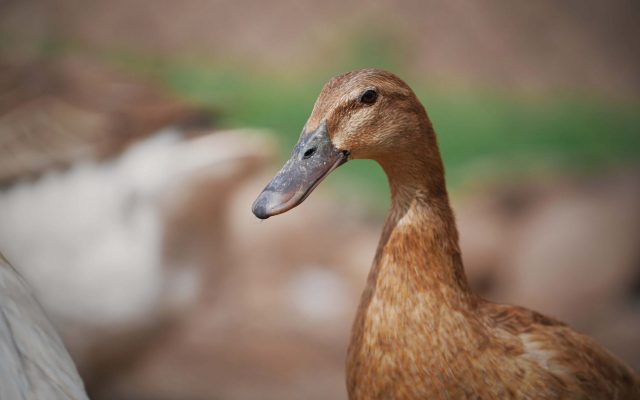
259	207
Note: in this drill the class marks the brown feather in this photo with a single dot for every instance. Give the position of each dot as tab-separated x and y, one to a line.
57	113
420	332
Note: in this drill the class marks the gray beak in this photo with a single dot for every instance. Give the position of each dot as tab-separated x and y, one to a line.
312	159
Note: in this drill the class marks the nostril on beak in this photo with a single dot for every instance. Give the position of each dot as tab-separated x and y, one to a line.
309	152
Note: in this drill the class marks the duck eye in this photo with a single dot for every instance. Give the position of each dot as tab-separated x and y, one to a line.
369	97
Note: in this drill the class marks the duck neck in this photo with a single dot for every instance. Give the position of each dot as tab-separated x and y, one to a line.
417	280
419	245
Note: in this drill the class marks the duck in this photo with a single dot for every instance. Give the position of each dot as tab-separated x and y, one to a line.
420	331
98	170
35	362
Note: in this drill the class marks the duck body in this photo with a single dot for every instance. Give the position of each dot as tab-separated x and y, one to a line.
420	332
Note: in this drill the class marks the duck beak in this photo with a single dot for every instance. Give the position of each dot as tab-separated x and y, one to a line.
312	159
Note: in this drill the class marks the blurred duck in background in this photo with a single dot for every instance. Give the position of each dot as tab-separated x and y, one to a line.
94	166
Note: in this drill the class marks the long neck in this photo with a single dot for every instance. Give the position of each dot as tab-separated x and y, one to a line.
416	292
420	241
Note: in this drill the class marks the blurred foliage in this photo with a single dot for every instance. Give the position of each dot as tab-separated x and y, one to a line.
483	134
480	133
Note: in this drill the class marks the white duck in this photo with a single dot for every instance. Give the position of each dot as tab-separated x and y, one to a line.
89	176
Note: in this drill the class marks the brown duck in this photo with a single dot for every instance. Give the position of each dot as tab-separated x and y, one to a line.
420	332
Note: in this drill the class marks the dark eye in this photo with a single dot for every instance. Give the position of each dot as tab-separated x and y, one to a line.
369	97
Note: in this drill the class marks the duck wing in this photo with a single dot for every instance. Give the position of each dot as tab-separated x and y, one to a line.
35	363
575	363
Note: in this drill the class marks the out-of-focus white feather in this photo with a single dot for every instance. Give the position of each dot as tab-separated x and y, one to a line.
34	364
89	239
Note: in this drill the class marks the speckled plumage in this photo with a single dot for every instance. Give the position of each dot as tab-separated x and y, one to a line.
420	332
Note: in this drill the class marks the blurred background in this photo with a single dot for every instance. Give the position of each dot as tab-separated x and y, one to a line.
134	137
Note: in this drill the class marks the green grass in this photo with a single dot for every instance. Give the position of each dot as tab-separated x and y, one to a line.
521	134
479	133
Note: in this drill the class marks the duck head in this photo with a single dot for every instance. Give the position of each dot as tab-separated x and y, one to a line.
368	114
